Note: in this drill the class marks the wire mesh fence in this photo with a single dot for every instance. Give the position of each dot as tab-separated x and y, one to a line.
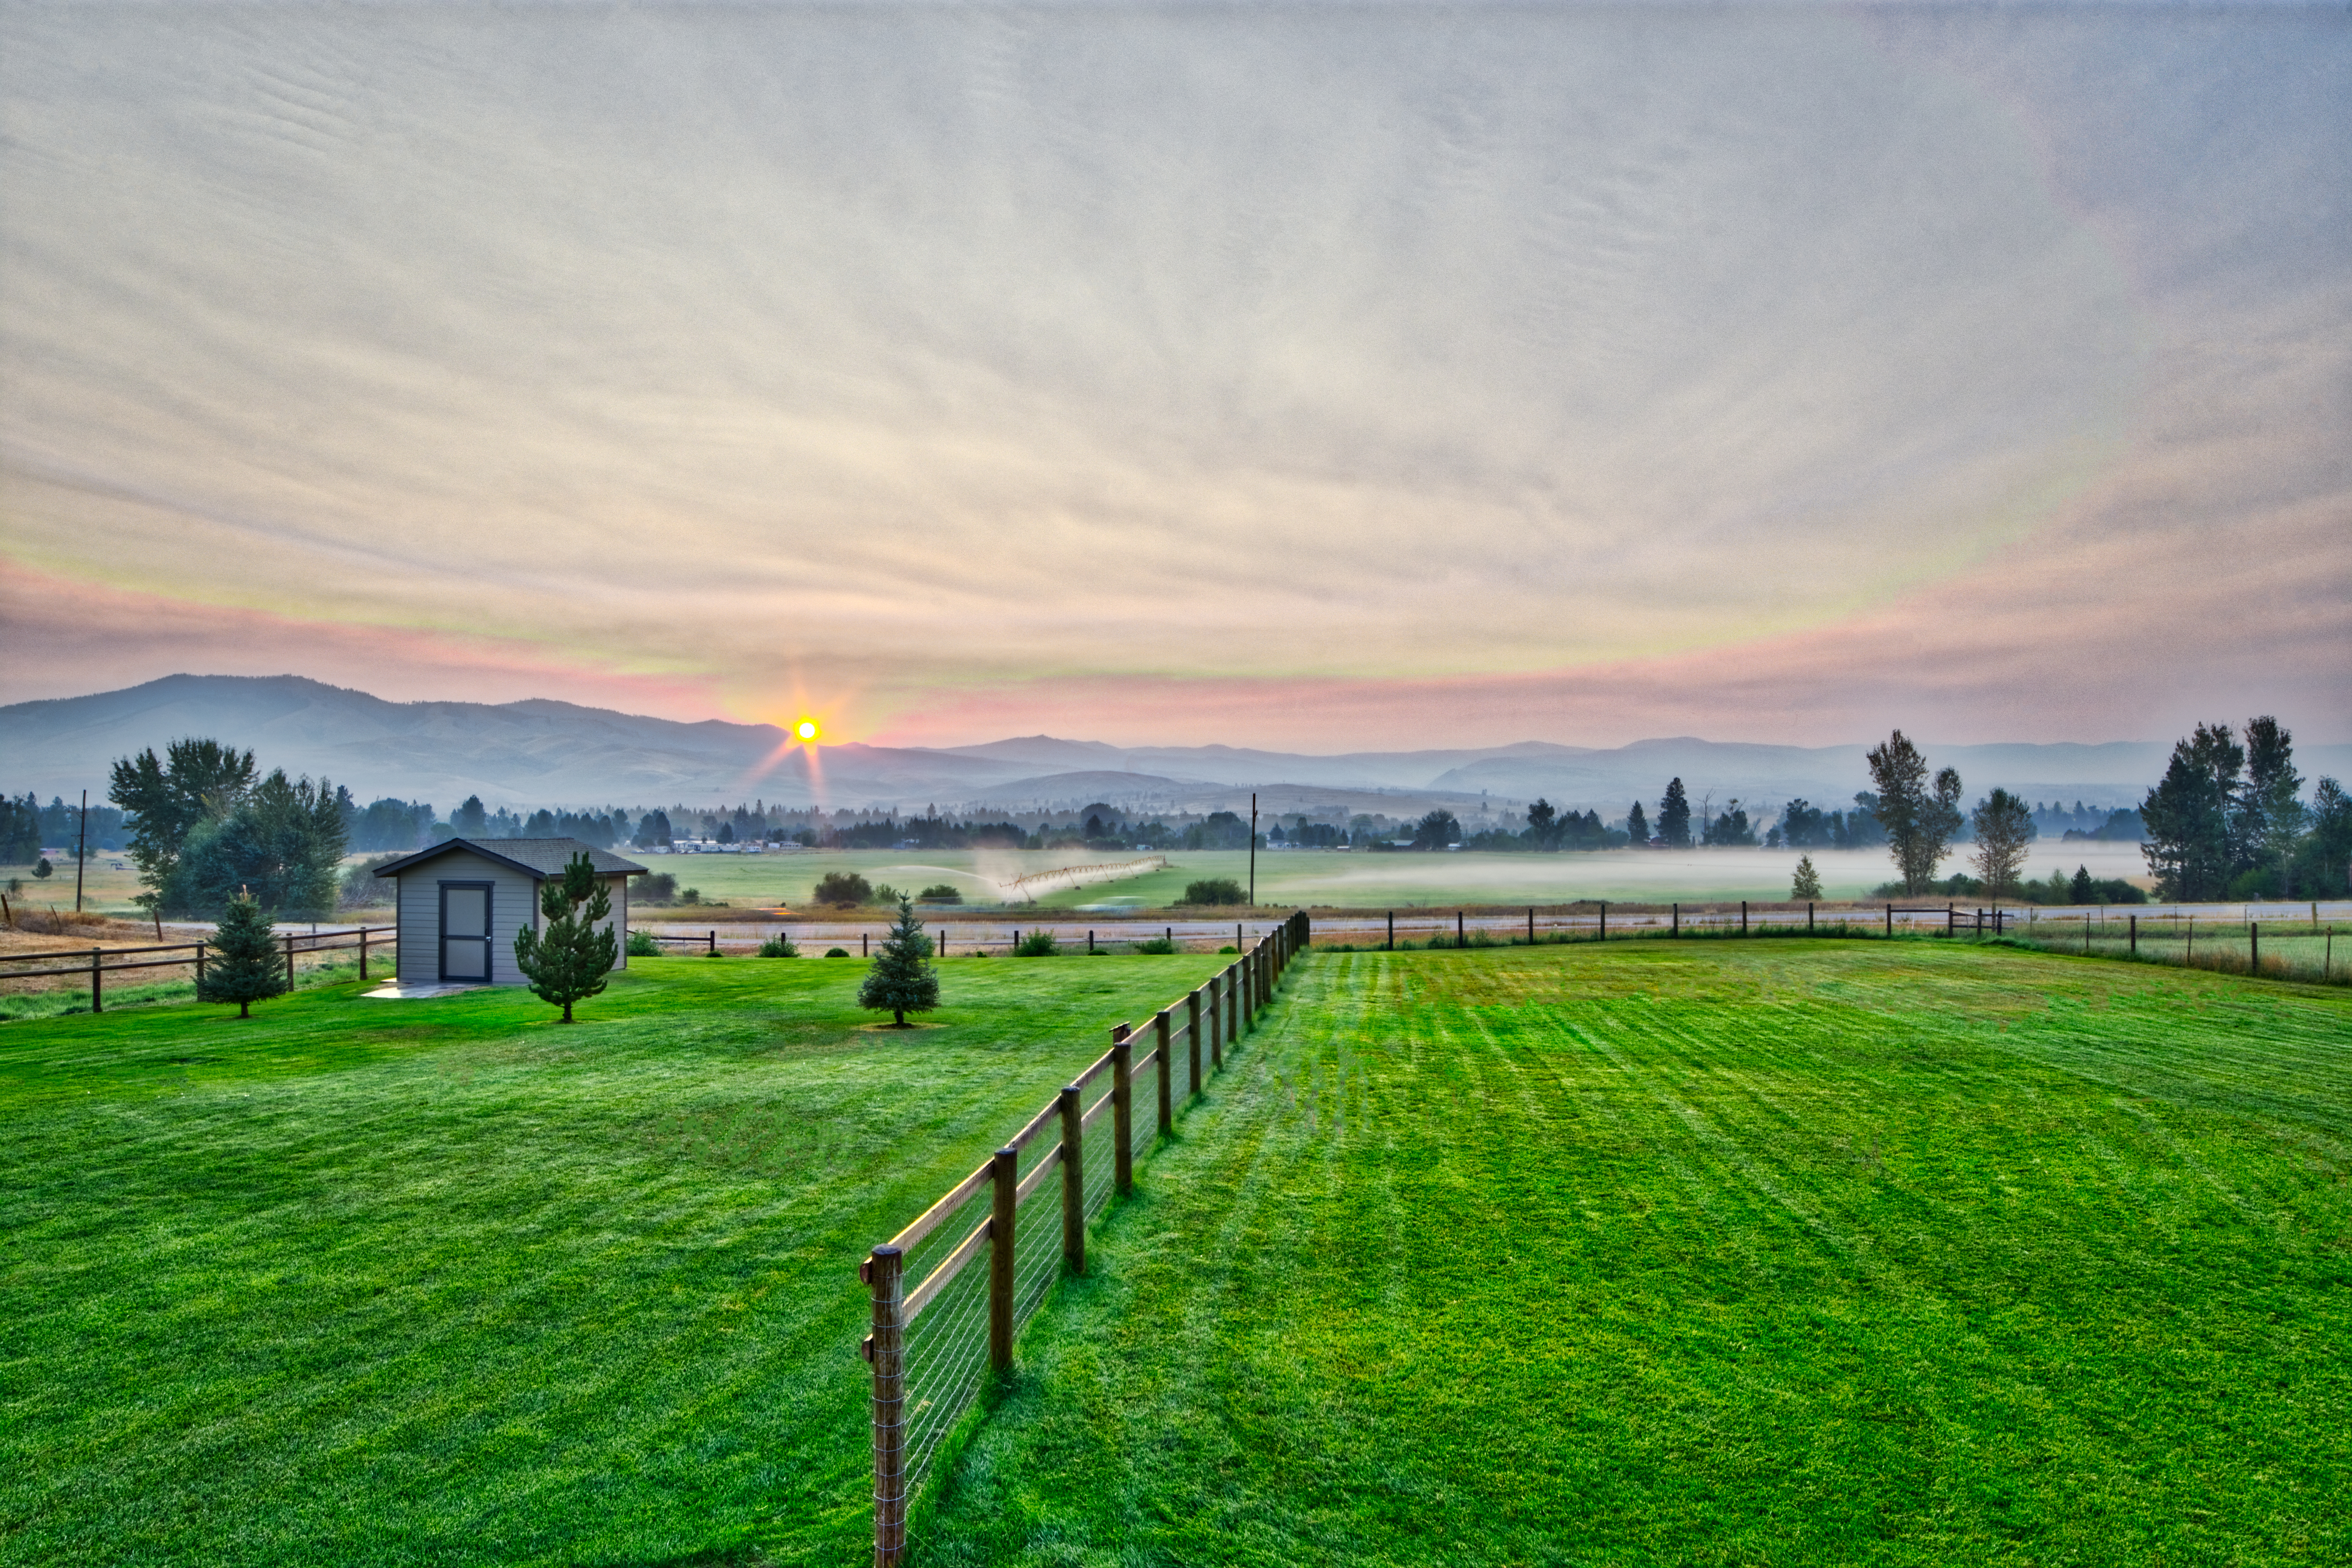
951	1290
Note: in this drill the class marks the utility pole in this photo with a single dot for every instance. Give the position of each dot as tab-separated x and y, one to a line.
1253	847
81	850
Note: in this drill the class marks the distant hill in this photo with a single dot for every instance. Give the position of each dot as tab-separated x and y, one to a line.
540	753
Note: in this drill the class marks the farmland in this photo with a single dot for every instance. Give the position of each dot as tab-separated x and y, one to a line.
1725	1252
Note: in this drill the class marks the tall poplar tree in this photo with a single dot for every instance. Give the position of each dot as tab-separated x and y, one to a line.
1919	819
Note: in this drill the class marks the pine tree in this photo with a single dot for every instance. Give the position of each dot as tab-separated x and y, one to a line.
1673	816
1637	826
572	958
1808	885
247	967
902	981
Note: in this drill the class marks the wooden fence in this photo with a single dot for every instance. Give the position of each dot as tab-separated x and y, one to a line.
105	961
938	1339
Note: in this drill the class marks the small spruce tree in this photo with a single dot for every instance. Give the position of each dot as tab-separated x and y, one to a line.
1808	885
2083	890
44	869
902	981
573	960
247	967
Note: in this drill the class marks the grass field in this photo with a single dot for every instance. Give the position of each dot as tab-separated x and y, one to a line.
1723	1252
442	1282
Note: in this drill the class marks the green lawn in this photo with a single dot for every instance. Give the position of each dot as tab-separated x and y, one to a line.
1717	1252
444	1282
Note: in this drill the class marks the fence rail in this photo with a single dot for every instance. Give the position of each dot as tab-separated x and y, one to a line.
935	1341
105	961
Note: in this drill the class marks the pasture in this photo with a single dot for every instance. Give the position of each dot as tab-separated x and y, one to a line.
377	1282
1716	1251
1721	1252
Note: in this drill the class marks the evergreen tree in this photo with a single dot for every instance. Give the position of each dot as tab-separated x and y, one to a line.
2189	815
248	966
2082	890
2270	816
1637	826
902	980
43	869
1673	816
1808	884
572	958
1543	825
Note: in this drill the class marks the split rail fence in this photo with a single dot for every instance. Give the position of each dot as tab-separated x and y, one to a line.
943	1322
105	961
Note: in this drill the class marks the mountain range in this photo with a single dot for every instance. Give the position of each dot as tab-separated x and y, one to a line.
540	753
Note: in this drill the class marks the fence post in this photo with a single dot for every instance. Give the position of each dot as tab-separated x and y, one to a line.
1243	988
2253	947
1809	919
1193	1035
363	953
1393	928
1890	918
1160	1032
97	983
1743	917
1122	1116
884	1274
1073	1181
290	960
200	971
1006	1166
1676	929
2135	936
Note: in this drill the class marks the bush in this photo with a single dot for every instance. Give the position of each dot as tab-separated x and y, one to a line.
836	953
845	887
940	893
361	887
1037	944
1229	947
779	947
1218	891
884	893
642	945
1158	944
654	888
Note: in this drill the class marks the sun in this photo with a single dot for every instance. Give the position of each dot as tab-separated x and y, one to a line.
805	730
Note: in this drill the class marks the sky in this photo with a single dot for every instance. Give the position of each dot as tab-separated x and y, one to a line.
1315	377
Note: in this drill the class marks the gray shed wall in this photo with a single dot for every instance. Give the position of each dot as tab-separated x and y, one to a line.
514	903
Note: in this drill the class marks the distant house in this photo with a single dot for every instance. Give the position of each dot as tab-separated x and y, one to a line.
461	902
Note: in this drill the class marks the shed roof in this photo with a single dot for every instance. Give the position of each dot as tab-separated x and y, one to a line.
537	857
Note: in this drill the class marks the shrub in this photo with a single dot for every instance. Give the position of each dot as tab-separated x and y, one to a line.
690	896
844	888
642	945
884	893
1037	944
1219	890
655	888
1229	947
940	893
779	947
836	953
1158	944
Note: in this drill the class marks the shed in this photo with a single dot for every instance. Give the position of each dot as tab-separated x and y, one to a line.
461	902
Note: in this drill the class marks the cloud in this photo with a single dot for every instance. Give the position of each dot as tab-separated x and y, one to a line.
957	362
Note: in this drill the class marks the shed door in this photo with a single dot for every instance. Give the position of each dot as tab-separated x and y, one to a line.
465	931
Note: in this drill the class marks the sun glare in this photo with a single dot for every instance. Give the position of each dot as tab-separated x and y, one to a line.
805	730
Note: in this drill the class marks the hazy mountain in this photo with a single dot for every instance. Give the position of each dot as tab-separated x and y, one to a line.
543	752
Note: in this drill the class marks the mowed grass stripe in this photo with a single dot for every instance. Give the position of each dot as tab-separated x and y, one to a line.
1776	1251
